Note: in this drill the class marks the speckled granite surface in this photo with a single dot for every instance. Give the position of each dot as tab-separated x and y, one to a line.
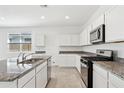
10	70
114	67
80	53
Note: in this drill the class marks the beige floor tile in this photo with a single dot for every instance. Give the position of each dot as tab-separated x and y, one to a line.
65	78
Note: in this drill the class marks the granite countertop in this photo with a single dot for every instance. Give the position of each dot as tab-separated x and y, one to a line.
114	67
10	70
80	53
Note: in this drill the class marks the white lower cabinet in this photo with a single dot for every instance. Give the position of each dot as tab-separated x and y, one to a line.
78	65
105	79
112	86
36	78
41	78
69	60
26	78
98	81
115	81
99	77
44	74
66	60
30	84
12	84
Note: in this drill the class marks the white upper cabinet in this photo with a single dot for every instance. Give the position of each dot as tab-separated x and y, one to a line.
100	20
115	24
69	40
39	39
89	29
64	40
83	37
75	40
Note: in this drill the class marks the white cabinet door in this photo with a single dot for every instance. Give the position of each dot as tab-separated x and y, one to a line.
41	78
44	78
39	39
66	60
114	24
30	84
111	85
83	37
12	84
23	80
75	40
64	40
100	20
100	79
115	81
61	60
78	65
69	40
89	29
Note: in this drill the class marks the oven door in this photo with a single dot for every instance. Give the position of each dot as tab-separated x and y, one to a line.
84	73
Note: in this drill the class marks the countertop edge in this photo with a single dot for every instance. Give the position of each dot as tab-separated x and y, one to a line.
25	72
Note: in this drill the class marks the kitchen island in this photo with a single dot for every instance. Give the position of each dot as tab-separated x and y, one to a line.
24	74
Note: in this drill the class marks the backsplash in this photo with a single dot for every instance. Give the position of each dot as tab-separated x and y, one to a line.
118	48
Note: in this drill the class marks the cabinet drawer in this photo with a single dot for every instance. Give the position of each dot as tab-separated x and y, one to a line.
26	78
12	84
116	81
100	71
41	66
30	84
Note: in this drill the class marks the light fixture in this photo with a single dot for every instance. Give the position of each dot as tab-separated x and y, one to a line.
2	18
67	17
42	17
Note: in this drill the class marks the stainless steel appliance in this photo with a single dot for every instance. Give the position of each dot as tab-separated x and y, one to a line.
87	65
49	69
98	35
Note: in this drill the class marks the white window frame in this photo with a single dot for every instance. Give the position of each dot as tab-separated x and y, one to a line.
10	51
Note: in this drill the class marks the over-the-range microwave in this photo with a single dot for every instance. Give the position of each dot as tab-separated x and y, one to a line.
98	35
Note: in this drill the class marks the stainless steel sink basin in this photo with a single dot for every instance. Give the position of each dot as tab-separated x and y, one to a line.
30	61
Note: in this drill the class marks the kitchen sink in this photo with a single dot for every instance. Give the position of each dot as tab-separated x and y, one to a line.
30	61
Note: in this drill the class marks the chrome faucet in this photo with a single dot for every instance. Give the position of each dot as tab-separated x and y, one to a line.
27	55
20	55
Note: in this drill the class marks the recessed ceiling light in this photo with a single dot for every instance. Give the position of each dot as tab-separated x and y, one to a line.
67	17
2	18
42	17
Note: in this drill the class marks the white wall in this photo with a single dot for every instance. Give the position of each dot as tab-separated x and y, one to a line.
119	47
51	41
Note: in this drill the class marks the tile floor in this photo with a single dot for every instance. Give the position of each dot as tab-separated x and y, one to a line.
63	77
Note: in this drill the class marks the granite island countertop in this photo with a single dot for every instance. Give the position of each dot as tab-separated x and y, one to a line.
10	70
114	67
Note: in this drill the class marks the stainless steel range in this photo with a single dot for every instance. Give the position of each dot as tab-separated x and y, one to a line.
87	65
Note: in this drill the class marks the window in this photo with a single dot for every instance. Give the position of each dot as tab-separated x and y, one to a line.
20	42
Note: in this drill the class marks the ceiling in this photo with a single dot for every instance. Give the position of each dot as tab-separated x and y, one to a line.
30	15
